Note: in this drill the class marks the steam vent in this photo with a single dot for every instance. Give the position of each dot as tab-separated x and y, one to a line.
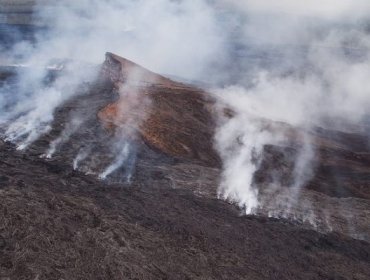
244	153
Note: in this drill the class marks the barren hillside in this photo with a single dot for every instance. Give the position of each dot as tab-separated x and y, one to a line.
60	221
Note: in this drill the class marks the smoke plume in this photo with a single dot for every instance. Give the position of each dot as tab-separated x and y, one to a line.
271	62
317	60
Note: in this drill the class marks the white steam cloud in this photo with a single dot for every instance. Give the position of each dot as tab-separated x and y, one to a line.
71	127
293	62
118	162
327	9
323	76
177	37
82	154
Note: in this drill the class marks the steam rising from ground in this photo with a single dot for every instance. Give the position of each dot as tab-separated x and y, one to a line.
82	154
32	104
177	37
71	127
160	34
325	80
276	61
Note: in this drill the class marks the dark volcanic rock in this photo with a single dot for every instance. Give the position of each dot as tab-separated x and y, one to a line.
178	119
67	225
60	223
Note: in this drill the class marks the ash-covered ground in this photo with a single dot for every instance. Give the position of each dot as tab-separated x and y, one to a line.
113	171
57	223
60	221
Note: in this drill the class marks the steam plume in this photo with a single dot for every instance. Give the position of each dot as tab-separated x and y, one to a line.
270	61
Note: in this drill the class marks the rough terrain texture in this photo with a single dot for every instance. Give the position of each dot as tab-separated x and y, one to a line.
181	120
60	223
177	118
